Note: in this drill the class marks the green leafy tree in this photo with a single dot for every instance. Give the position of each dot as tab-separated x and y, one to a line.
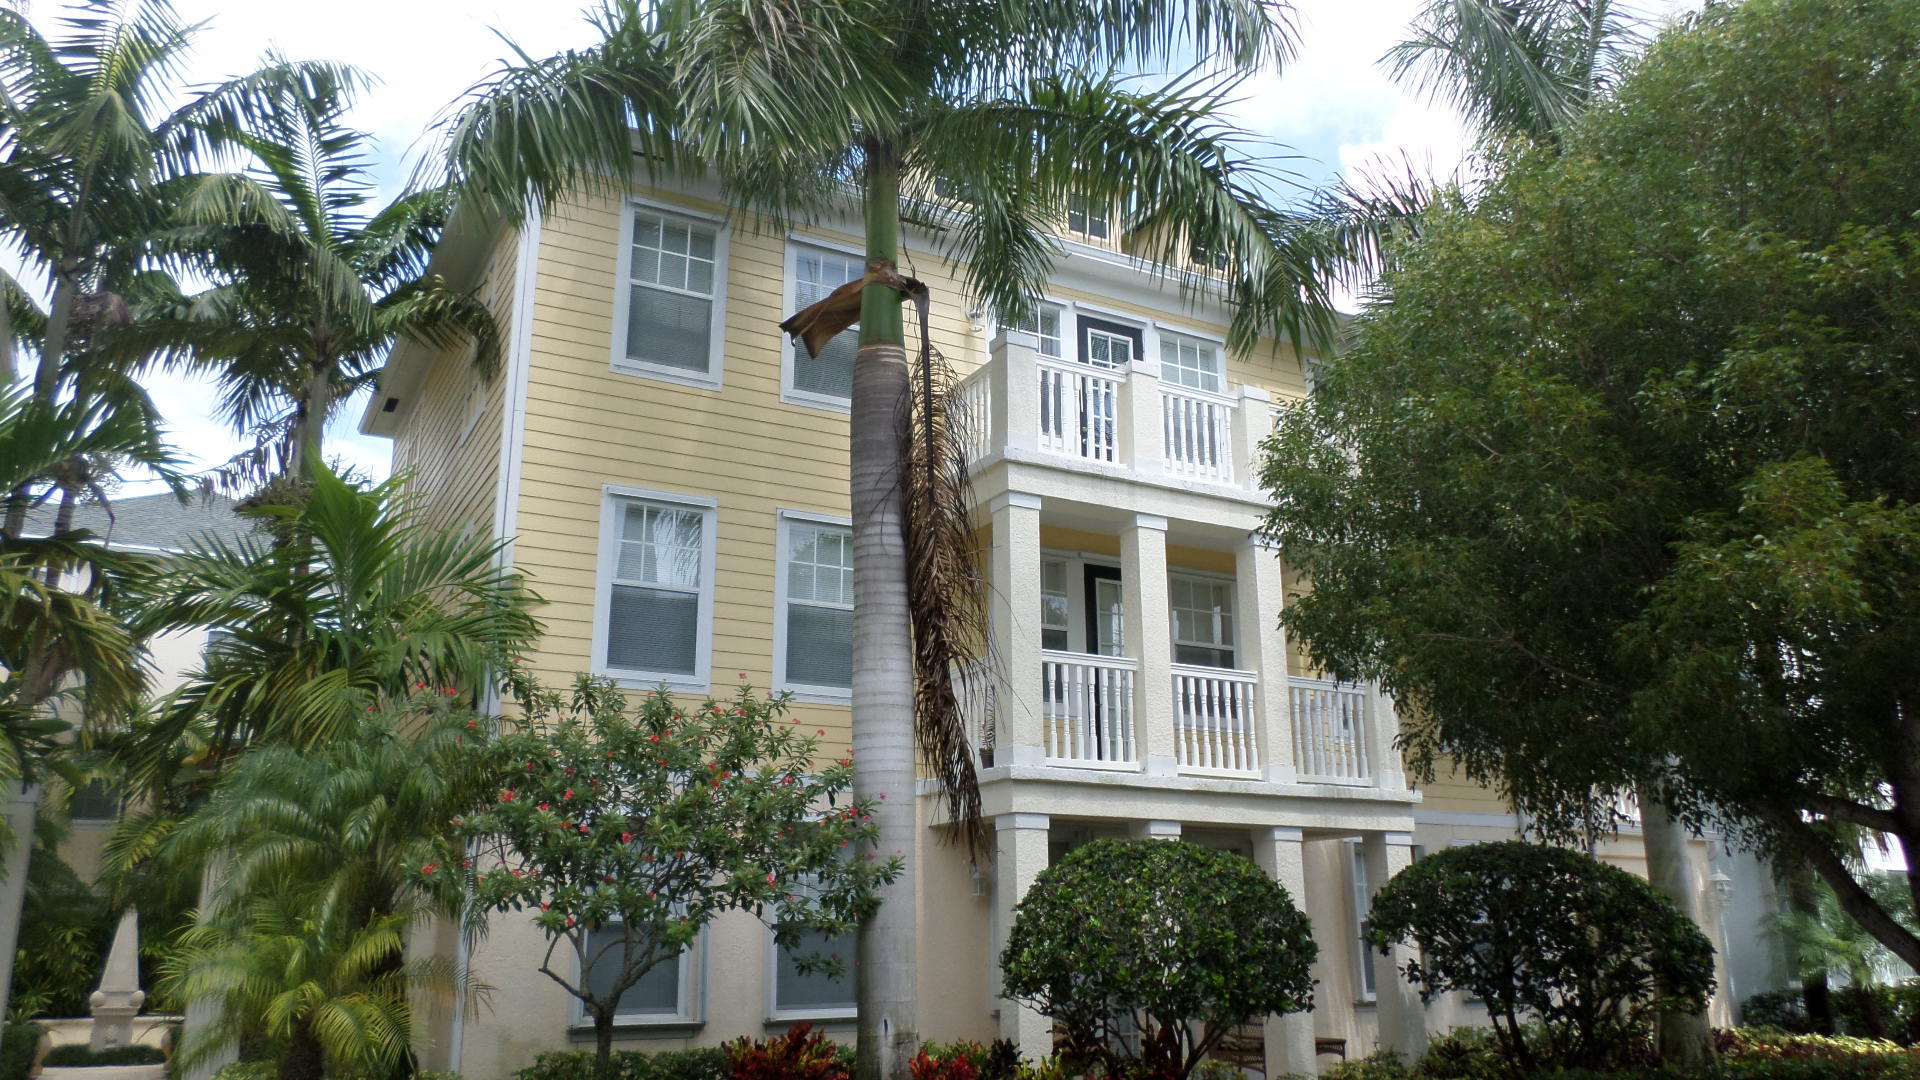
624	828
1157	949
1548	934
1011	109
302	941
1617	482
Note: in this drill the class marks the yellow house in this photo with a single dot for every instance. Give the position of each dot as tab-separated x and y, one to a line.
671	473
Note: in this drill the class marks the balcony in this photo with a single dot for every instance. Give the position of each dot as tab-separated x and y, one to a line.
1122	421
1091	718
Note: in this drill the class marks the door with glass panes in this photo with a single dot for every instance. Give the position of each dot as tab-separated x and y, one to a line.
1081	611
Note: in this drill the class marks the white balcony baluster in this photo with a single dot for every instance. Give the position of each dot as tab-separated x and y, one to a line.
1330	722
971	413
1197	431
1213	718
1079	411
1087	709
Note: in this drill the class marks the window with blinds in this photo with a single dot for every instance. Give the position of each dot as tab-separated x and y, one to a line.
659	995
657	590
818	651
817	272
1085	218
1202	620
1186	361
673	270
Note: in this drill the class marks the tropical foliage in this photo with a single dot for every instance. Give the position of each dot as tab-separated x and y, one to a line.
1617	481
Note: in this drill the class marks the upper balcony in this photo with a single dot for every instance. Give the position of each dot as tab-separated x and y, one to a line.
1118	420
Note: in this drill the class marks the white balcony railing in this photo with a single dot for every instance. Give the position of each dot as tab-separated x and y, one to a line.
1330	722
1036	407
1213	720
1087	709
1196	430
1079	411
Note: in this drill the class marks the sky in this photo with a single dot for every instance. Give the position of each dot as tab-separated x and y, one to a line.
1330	111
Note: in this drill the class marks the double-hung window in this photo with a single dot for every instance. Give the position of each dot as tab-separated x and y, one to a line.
826	379
818	993
1188	361
816	602
656	589
1043	322
669	301
1202	620
663	995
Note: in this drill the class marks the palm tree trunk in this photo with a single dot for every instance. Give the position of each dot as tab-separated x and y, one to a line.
1815	995
883	736
1684	1039
46	377
310	419
304	1058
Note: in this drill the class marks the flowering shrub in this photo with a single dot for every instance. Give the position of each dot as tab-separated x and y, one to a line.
801	1054
623	828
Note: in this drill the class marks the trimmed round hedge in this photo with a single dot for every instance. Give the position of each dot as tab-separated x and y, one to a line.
1547	934
1172	941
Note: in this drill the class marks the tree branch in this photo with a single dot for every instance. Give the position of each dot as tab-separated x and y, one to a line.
1847	810
1854	898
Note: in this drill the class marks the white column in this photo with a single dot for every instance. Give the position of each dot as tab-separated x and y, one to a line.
22	801
1015	392
1383	754
1020	854
1142	436
1259	593
1143	584
1252	424
1280	852
1403	1021
1013	613
1154	830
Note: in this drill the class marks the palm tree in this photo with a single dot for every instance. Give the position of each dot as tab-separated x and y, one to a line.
349	601
328	863
314	282
796	108
1522	68
91	159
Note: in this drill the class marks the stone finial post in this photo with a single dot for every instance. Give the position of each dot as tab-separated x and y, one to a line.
119	998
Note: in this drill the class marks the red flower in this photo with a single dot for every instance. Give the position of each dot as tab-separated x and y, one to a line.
429	869
653	738
419	686
567	796
466	863
542	806
449	691
583	830
626	838
506	796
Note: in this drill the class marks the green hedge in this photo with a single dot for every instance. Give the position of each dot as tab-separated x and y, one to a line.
17	1043
706	1064
79	1054
1745	1054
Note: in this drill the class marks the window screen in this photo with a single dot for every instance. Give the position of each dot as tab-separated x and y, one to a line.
653	622
820	990
656	994
819	605
817	273
670	289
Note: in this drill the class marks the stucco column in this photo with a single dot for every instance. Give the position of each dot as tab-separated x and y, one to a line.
1252	423
1280	852
1143	584
1154	830
1020	854
1014	386
1383	756
1013	611
22	801
1403	1021
1142	437
1259	593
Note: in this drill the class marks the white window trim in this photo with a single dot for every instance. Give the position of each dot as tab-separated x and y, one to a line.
717	346
1146	360
1219	350
772	983
616	495
1227	620
687	1009
820	695
789	303
1363	957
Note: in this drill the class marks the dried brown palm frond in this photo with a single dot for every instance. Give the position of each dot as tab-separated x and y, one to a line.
946	589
